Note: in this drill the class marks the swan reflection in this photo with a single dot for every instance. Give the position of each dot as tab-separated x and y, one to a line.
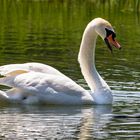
54	122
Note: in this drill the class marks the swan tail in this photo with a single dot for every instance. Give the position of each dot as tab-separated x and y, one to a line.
15	95
3	95
11	95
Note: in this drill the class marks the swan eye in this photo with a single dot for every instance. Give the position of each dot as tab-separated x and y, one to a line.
109	32
110	39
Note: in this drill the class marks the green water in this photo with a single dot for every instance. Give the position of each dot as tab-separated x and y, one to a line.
50	31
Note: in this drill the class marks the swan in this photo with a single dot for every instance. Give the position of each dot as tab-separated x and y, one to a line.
39	83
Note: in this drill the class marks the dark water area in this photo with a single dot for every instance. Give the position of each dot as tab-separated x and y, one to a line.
50	32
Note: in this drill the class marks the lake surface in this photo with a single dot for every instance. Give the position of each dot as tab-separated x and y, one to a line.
50	32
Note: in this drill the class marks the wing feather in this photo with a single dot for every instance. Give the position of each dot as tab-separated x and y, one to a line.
44	83
37	67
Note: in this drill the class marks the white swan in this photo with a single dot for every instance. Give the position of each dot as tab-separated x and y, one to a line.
39	83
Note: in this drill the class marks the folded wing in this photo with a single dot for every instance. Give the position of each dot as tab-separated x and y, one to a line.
36	67
30	86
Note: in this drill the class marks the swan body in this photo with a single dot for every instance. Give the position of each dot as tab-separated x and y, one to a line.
39	83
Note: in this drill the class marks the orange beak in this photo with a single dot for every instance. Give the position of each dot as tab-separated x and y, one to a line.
113	42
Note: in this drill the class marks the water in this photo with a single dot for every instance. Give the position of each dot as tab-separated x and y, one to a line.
50	32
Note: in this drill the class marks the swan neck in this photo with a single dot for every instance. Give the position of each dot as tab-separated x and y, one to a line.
86	59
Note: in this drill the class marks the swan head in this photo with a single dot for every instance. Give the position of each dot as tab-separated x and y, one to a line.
107	33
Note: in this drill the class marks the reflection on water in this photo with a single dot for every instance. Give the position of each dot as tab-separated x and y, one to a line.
50	32
87	122
53	122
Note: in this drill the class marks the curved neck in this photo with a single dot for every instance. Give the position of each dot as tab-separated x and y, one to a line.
86	59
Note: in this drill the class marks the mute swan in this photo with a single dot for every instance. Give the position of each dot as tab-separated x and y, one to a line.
40	83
